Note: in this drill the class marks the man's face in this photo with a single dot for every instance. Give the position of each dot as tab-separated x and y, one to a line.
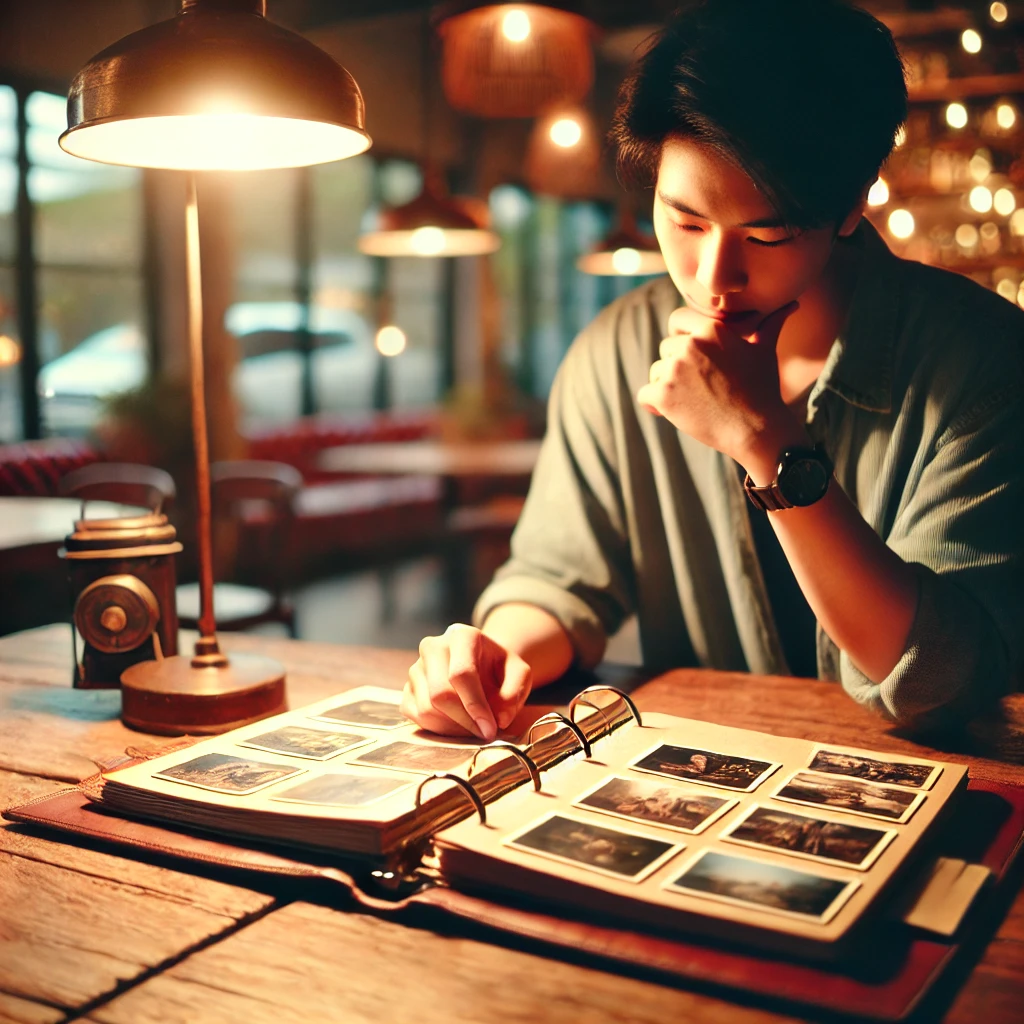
726	252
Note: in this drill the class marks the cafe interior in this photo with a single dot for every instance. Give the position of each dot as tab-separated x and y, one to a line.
309	391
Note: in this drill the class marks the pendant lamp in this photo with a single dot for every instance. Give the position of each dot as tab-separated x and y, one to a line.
563	154
513	60
217	87
625	252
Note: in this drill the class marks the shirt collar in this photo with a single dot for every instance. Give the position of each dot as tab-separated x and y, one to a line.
860	364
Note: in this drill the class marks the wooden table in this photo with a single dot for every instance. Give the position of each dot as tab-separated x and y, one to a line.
91	935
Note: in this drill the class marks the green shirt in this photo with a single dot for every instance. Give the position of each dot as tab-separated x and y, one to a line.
920	406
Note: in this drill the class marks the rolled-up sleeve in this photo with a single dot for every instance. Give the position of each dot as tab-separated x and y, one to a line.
570	551
959	526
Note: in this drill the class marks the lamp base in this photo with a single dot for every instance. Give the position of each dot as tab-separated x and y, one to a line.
172	697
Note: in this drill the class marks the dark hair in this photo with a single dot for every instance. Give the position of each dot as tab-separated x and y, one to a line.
805	96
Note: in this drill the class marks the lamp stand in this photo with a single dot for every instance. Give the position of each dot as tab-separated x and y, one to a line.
206	693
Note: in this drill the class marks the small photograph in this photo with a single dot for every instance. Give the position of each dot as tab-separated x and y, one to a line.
227	773
610	851
657	803
303	741
375	714
745	882
335	789
829	842
911	774
417	757
852	795
707	767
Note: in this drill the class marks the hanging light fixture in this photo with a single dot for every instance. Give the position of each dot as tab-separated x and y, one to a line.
626	252
513	60
563	154
218	87
433	223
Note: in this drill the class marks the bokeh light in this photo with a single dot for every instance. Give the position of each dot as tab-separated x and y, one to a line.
878	194
956	115
566	132
901	223
980	199
390	340
970	40
515	26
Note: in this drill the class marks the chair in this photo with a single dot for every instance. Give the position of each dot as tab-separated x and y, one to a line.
126	483
258	498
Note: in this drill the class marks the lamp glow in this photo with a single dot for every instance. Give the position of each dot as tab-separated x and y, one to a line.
1007	289
878	194
979	167
515	26
970	40
956	115
966	236
1006	115
901	223
10	351
626	261
998	12
566	132
980	199
1004	201
427	241
390	340
1017	223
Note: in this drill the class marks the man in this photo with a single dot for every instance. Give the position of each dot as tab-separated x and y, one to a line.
786	339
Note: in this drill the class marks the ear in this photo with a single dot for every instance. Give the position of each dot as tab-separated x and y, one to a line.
852	219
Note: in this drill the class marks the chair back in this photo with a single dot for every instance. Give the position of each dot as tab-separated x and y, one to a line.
126	483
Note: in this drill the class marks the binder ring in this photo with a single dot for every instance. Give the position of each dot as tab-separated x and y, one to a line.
463	785
558	717
509	748
625	697
576	702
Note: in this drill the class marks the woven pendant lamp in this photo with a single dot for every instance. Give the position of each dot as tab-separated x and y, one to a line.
513	60
563	155
626	252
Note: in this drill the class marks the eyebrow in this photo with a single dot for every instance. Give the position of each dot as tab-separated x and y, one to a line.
677	204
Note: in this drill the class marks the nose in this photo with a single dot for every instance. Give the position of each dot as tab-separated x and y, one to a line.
720	269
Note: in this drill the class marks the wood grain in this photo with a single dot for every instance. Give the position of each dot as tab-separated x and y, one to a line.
306	963
23	1011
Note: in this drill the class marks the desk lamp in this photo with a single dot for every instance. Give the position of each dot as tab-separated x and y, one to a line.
217	87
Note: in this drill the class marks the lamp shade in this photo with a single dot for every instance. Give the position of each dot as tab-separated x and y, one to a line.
513	60
432	224
626	252
218	87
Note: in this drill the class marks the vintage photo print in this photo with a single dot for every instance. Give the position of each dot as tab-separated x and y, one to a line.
227	773
745	882
337	789
372	714
851	795
829	842
658	803
304	741
417	757
708	767
890	772
610	851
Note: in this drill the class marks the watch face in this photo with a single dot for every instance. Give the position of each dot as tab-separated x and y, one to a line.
803	481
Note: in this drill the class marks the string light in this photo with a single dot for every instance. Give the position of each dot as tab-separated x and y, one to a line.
970	41
998	12
878	194
390	340
956	115
980	199
901	223
515	26
1004	201
1006	115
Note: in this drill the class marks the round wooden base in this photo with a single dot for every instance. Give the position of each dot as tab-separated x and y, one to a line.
172	697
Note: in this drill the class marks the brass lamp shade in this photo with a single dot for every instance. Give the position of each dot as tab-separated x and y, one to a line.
218	87
626	252
432	224
493	67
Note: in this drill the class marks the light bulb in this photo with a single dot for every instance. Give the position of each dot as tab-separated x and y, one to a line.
515	26
966	236
956	115
901	223
390	340
1004	201
427	241
566	132
626	261
1006	115
980	199
970	40
998	12
878	194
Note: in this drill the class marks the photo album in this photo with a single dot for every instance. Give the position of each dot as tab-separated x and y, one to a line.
667	823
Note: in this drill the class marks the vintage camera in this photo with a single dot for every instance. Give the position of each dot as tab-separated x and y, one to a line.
122	578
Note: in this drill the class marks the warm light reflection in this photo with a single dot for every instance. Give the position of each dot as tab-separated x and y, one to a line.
427	241
1006	115
998	12
212	142
515	26
956	115
10	351
901	223
1004	201
966	236
980	199
901	136
566	132
970	40
390	340
626	261
878	194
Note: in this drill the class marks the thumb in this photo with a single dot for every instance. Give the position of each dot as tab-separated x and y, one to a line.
770	328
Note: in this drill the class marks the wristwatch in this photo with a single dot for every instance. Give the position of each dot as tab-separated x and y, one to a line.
801	479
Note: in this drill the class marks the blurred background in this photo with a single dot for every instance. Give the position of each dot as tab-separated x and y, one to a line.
313	342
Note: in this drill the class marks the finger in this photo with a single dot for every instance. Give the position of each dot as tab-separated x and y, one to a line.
465	659
683	320
770	327
515	688
674	347
649	398
416	706
438	694
655	372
